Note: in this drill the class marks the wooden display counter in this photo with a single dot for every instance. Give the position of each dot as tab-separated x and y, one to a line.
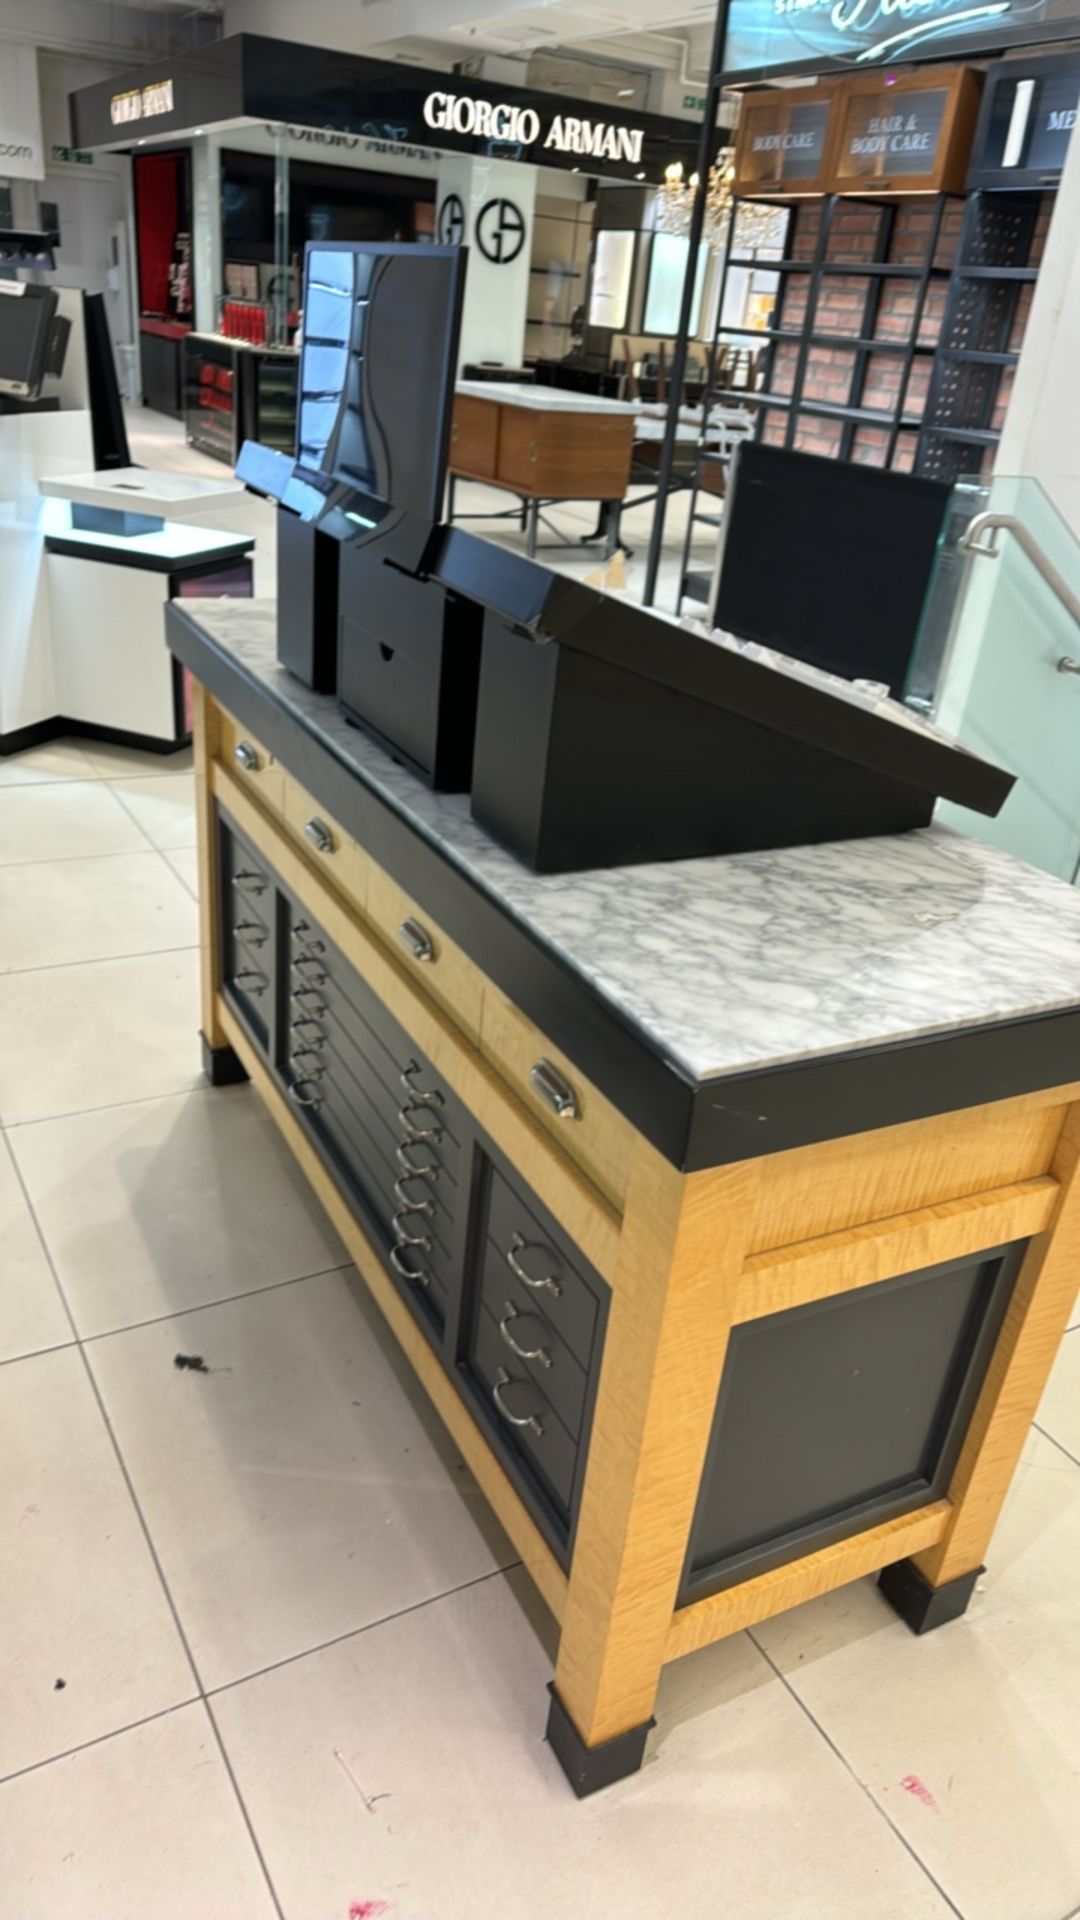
728	1211
543	444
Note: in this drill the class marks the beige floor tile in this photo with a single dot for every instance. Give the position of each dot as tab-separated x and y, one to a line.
64	821
144	1826
163	806
1059	1415
151	1208
31	1311
407	1765
41	766
70	910
969	1737
184	862
73	1038
115	762
316	1495
80	1599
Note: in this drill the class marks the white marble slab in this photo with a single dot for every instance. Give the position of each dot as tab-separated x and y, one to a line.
143	490
542	399
730	965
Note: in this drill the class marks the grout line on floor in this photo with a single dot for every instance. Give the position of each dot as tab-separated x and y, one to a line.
189	846
108	1106
99	1739
103	959
242	1804
353	1633
35	1353
1076	1463
849	1769
207	1306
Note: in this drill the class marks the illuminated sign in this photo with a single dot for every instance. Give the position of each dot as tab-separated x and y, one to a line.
772	36
522	126
142	103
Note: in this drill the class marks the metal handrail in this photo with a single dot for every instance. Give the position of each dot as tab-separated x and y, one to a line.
991	524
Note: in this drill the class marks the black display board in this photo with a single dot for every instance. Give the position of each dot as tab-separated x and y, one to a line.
829	561
1029	110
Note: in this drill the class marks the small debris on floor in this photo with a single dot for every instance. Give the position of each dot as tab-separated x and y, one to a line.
59	1685
190	1363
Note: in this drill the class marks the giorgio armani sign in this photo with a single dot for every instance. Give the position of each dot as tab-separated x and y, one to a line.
501	122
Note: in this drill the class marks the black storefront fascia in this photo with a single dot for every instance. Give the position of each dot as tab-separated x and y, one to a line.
285	82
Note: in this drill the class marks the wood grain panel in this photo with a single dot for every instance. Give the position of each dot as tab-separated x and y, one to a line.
601	1139
680	1259
206	721
565	456
343	862
266	780
576	1203
474	437
459	1423
861	1256
1027	1345
871	1176
450	977
774	1592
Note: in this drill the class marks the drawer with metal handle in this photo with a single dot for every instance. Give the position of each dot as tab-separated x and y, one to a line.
525	1251
532	1342
524	1417
251	763
431	959
325	842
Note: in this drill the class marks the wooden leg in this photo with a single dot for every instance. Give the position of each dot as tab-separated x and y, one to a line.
218	1056
1037	1318
676	1285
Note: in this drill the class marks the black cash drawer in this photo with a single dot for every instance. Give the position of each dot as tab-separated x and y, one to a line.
526	1419
536	1257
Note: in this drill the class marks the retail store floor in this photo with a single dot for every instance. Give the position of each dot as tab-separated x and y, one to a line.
262	1649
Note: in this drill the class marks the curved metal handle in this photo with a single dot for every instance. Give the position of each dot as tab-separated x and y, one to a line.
247	756
310	969
546	1282
297	1059
404	1239
513	1419
417	939
296	1026
419	1277
302	1099
1068	665
305	938
249	880
248	973
414	1132
523	1353
430	1170
428	1097
302	995
554	1090
251	932
320	835
403	1199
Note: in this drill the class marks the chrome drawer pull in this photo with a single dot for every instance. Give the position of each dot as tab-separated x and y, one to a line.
296	1026
306	949
418	941
248	973
303	997
428	1097
302	1098
249	881
546	1281
414	1132
557	1092
310	969
296	1061
523	1353
430	1168
419	1278
320	835
247	756
514	1419
251	932
402	1198
409	1239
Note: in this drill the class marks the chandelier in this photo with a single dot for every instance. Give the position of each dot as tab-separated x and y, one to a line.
756	224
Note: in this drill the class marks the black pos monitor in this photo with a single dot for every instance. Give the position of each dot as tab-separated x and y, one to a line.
27	316
375	397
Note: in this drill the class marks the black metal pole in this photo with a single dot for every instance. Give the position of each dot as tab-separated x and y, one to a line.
705	160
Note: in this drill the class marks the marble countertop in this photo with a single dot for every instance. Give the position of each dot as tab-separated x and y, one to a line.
730	965
542	399
143	489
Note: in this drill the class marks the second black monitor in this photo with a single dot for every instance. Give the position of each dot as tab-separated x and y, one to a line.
378	367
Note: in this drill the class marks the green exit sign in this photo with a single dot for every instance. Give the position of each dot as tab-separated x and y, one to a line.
73	156
695	101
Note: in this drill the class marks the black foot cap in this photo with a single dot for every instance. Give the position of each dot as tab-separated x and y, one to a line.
222	1067
921	1606
590	1768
